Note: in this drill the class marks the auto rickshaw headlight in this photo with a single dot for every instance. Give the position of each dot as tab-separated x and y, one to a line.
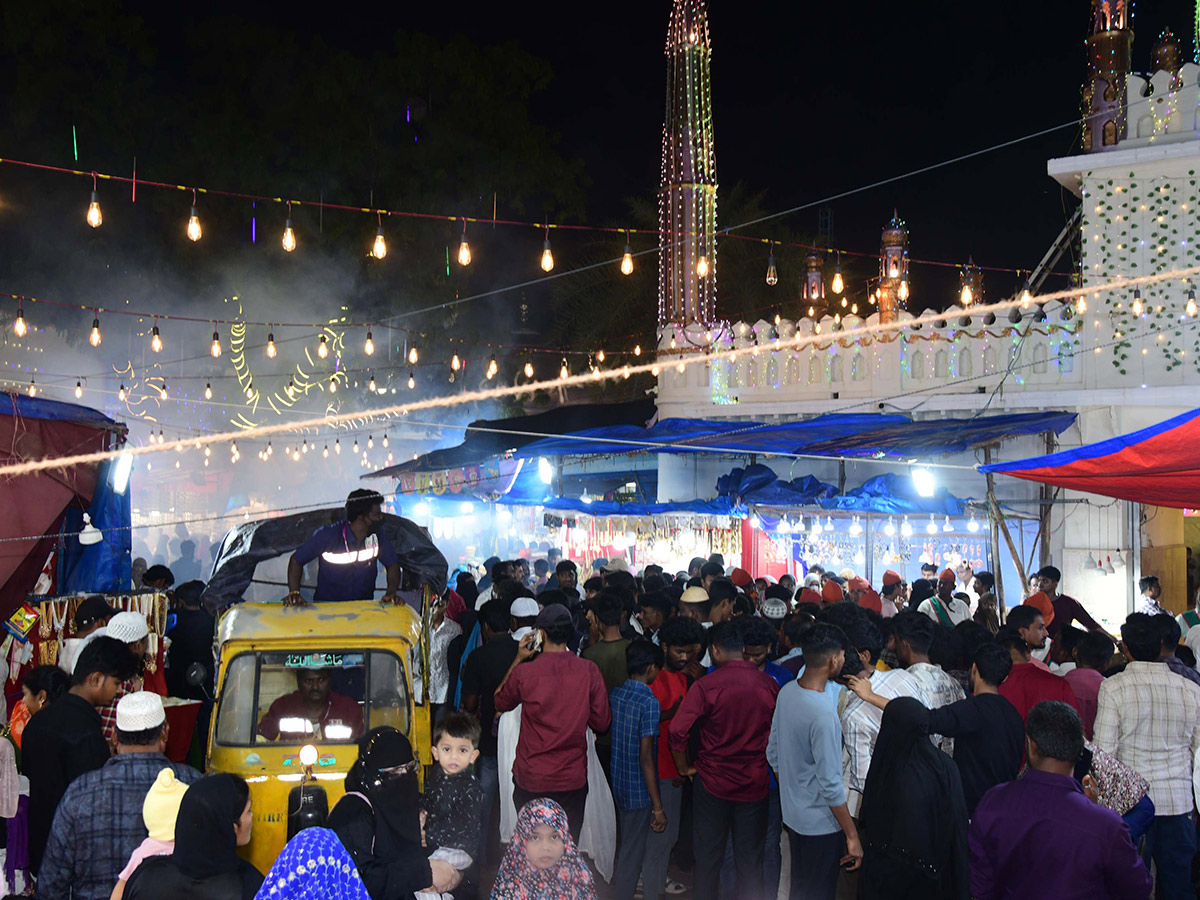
308	755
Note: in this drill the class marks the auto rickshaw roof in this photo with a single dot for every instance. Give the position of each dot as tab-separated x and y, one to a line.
333	623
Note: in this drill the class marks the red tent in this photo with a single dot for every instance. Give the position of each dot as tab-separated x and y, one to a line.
1159	465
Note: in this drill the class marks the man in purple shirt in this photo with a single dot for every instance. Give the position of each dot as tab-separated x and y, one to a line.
1041	836
731	708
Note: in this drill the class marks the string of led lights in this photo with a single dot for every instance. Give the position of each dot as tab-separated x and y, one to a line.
681	363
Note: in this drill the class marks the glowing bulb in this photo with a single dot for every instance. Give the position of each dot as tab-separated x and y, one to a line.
906	528
1190	309
369	345
271	345
946	526
654	371
455	362
322	347
337	446
94	338
838	285
78	390
412	356
845	302
385	439
162	391
356	446
19	326
547	255
973	524
1137	307
890	528
270	451
155	340
627	260
903	292
121	392
325	452
702	267
637	350
464	252
811	312
1026	295
564	371
370	442
371	384
289	237
1081	305
967	296
931	528
379	248
492	368
94	217
412	381
193	226
333	384
207	391
673	343
215	349
529	368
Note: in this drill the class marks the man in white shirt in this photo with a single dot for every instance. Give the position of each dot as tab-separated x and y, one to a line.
912	635
1149	719
944	607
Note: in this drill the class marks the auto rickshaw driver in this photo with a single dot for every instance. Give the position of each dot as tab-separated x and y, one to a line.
348	553
312	709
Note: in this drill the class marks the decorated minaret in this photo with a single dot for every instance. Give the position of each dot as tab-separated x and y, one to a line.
687	198
893	269
1109	47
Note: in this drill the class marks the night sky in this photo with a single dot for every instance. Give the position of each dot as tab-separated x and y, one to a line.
813	99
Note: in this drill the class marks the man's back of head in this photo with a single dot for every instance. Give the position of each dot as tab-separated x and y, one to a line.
1141	638
1055	737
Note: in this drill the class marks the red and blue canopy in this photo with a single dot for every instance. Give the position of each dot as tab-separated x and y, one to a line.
1159	465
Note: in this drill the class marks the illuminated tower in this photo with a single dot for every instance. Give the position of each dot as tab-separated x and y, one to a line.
893	269
812	291
1109	46
687	197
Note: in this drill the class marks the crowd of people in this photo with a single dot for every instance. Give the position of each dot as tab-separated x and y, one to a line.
703	732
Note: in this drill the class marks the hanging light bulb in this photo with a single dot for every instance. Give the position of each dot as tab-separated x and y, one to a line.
812	312
94	217
32	388
1026	295
455	362
492	368
322	347
946	526
845	302
829	523
121	392
855	528
627	259
412	381
890	528
160	436
270	345
289	236
333	383
207	391
529	368
772	275
356	447
903	292
155	340
816	526
370	442
1081	305
1190	308
337	446
1137	307
412	356
931	528
379	248
799	524
270	450
94	338
369	344
325	452
547	255
564	371
894	269
854	309
371	384
193	225
19	326
250	390
78	390
162	391
906	528
973	524
464	249
702	266
215	349
385	439
966	296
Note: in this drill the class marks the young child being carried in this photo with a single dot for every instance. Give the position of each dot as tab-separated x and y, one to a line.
452	807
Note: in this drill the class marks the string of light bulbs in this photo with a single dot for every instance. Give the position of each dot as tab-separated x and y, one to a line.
681	363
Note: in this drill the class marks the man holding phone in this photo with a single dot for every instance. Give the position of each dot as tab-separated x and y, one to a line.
561	696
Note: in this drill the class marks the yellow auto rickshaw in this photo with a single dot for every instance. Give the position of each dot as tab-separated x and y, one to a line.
295	687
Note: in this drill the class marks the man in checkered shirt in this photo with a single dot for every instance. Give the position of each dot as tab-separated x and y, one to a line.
99	821
1149	718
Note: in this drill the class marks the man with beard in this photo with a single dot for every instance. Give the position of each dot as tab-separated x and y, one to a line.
349	552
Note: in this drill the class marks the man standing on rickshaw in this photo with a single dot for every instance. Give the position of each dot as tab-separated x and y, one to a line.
348	554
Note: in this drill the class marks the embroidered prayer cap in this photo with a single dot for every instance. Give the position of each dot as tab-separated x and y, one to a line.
140	711
128	627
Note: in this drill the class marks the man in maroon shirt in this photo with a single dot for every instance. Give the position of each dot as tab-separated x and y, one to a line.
1026	685
313	707
732	709
561	696
1066	609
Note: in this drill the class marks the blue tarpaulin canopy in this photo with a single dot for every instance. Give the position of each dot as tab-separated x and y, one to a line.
895	495
758	484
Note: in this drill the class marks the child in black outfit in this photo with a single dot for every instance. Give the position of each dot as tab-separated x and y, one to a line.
452	807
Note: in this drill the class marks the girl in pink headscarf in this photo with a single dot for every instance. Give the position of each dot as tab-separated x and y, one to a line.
542	862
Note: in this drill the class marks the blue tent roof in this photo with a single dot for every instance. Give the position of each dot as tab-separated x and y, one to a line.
26	407
827	435
895	495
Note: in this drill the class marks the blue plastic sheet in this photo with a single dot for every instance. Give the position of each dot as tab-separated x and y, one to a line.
105	566
895	494
758	484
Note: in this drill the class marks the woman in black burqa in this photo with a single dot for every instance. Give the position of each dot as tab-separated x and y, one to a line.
913	820
378	821
214	820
